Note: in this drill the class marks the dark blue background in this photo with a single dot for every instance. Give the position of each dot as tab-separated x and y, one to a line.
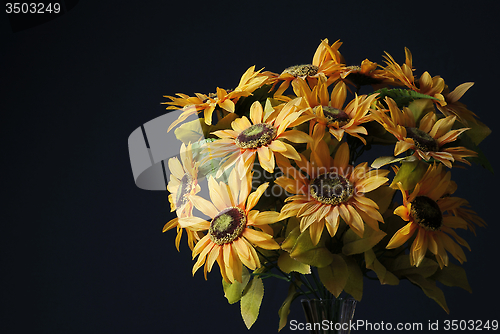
81	246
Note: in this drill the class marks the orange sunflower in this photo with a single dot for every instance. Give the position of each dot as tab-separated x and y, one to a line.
403	75
234	230
182	185
366	74
327	189
263	138
327	62
428	140
226	100
328	111
431	216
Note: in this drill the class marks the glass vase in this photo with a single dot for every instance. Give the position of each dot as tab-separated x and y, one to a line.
329	316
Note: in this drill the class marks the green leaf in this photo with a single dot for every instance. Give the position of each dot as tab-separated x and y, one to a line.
430	289
478	131
353	244
224	123
384	276
261	94
192	131
453	275
354	284
306	252
234	291
402	267
402	97
287	264
409	174
385	160
421	107
466	141
251	300
284	310
382	196
291	239
334	276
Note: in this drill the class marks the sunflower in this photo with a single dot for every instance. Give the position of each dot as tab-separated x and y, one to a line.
431	216
263	138
428	140
327	189
327	62
226	100
182	185
366	74
328	111
403	75
455	107
234	230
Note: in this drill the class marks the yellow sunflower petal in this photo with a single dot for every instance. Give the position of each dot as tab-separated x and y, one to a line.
401	236
204	206
256	112
254	197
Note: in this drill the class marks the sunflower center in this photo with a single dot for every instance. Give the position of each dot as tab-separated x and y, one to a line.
426	213
184	189
423	141
227	225
331	188
334	115
257	135
302	70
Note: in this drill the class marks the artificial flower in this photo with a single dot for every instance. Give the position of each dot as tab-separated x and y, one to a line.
329	111
235	230
428	140
260	136
429	215
327	62
223	99
182	185
403	75
326	189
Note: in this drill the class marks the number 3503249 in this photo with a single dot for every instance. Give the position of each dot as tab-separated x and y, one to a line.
32	8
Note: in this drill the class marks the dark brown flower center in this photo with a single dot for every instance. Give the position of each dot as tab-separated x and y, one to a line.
257	135
334	115
426	213
184	189
302	70
227	225
331	188
423	141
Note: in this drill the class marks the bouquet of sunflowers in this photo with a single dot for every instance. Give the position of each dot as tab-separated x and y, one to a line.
305	177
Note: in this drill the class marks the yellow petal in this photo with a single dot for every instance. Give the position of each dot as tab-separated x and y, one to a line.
204	206
296	136
256	112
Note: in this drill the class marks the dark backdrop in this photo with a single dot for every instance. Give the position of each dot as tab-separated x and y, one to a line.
81	246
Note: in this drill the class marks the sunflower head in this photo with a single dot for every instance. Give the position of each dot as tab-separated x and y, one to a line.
332	115
301	70
426	213
227	225
255	136
331	188
422	140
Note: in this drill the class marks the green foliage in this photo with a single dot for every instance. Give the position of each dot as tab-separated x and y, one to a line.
234	291
285	307
261	94
251	300
409	174
334	276
402	97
